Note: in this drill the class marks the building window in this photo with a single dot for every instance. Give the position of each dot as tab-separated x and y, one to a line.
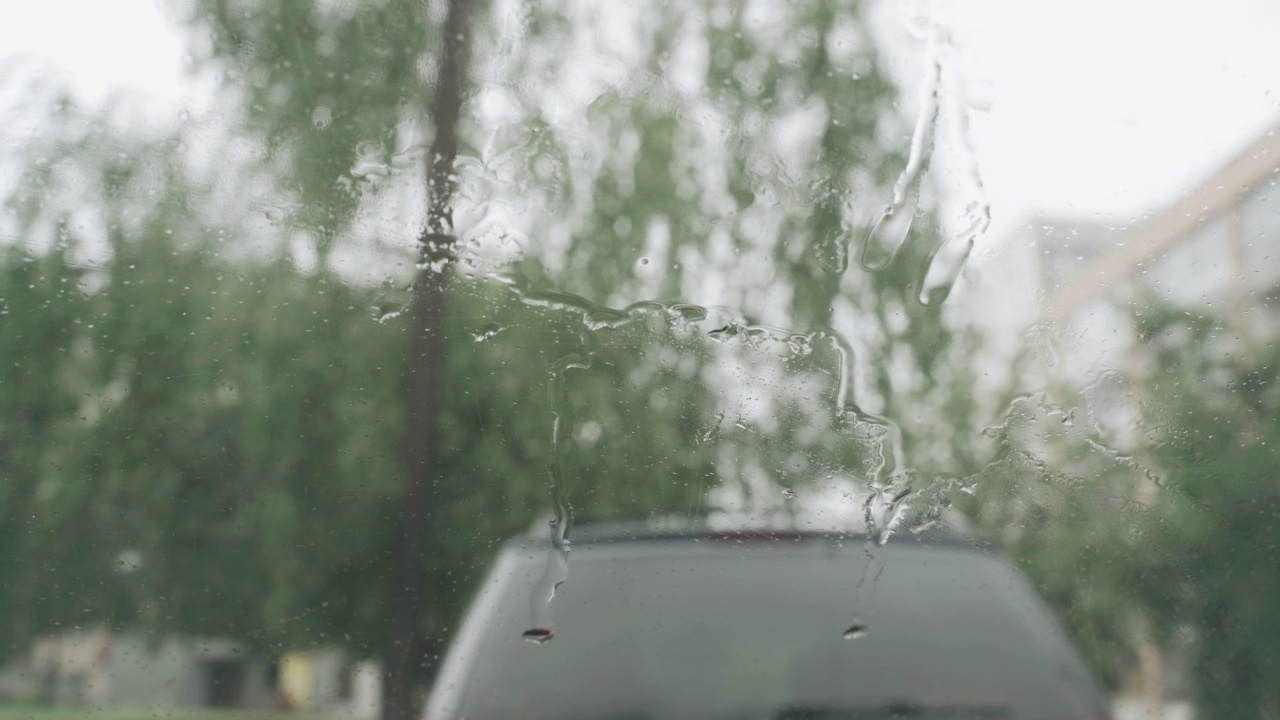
1195	271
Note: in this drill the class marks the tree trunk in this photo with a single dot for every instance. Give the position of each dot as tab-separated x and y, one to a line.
408	596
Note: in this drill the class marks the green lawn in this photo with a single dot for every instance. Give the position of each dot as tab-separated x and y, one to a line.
65	712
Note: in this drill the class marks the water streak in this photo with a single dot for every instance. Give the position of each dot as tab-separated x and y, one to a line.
944	262
890	231
557	570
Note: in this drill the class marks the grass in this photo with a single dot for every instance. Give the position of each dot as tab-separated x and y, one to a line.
72	712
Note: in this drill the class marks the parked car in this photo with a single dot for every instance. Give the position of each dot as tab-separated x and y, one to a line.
771	625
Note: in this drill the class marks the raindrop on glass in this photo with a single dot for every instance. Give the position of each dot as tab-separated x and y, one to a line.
538	636
386	313
855	631
487	331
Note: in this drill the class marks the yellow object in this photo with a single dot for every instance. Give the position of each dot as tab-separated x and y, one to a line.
297	679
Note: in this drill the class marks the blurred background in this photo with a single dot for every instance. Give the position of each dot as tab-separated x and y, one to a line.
305	307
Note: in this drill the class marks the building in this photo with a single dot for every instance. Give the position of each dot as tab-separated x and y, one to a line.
1068	285
1215	252
1062	302
100	668
97	667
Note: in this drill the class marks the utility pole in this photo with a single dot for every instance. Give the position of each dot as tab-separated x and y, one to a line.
407	594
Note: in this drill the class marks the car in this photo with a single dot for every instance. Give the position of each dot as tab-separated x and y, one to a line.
718	624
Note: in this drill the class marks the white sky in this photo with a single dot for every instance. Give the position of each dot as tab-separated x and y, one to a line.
101	46
1105	107
1113	106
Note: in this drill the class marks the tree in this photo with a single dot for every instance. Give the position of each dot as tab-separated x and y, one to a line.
1166	538
254	412
1213	419
425	375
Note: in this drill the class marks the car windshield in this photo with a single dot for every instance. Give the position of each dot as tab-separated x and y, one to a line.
748	629
309	307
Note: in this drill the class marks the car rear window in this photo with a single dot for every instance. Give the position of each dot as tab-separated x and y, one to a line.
724	629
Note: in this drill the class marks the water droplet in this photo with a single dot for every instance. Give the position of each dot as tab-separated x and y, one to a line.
487	331
943	267
713	432
604	318
855	631
437	265
387	313
889	233
926	522
538	636
833	253
726	333
689	313
321	117
800	345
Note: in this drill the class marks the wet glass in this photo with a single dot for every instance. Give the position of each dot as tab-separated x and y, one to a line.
306	309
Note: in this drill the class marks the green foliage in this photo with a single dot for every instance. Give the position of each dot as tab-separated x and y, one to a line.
321	89
203	421
196	441
1213	419
1172	543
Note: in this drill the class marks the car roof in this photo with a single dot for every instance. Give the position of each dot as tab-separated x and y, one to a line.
663	529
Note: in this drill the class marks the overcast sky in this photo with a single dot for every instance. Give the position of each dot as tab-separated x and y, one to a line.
1107	107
